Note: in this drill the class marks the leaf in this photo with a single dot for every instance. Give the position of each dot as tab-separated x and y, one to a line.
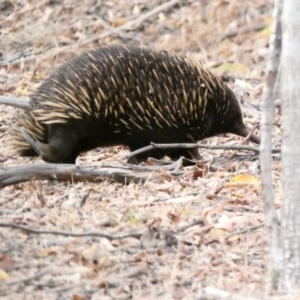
47	252
4	276
35	77
243	180
78	297
207	218
266	31
217	232
22	90
229	67
6	262
224	223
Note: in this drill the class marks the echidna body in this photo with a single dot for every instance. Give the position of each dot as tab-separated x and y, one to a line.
132	96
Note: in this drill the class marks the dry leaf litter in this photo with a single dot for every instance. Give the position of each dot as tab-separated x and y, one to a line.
200	235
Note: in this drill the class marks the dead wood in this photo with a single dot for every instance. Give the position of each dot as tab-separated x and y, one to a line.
15	102
74	234
62	172
194	145
136	22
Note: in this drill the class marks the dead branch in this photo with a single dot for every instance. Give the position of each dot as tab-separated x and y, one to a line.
190	224
28	278
22	56
115	31
246	139
63	172
15	102
16	56
231	34
242	231
134	22
74	234
237	232
186	145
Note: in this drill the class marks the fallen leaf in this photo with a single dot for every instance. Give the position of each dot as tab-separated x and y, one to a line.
207	214
243	180
47	252
6	262
4	276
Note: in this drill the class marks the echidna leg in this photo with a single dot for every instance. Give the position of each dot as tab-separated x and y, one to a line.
191	153
60	148
174	154
154	153
144	156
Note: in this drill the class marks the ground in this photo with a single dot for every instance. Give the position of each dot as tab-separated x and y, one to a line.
197	235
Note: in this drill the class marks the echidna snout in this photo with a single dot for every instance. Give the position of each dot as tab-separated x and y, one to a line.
239	128
233	120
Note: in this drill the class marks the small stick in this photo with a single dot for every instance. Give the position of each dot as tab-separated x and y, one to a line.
27	279
242	30
244	141
74	234
186	145
15	102
138	20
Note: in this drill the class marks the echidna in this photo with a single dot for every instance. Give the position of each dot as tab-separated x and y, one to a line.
126	95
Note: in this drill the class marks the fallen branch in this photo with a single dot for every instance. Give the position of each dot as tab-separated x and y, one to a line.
246	139
15	102
63	172
190	146
22	56
242	30
134	22
110	237
74	234
188	225
27	279
237	232
114	30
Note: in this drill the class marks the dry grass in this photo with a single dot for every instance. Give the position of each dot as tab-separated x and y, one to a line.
151	251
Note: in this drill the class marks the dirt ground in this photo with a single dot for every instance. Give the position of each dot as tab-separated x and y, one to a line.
198	234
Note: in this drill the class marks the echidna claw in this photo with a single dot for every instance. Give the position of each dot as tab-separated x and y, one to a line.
33	144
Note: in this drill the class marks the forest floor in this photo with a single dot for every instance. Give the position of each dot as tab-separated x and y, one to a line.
197	235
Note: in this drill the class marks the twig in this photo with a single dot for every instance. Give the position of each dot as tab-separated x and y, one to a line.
114	30
63	172
22	56
176	197
234	208
15	102
237	232
242	231
190	224
74	234
246	29
136	21
27	279
244	140
185	145
16	56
